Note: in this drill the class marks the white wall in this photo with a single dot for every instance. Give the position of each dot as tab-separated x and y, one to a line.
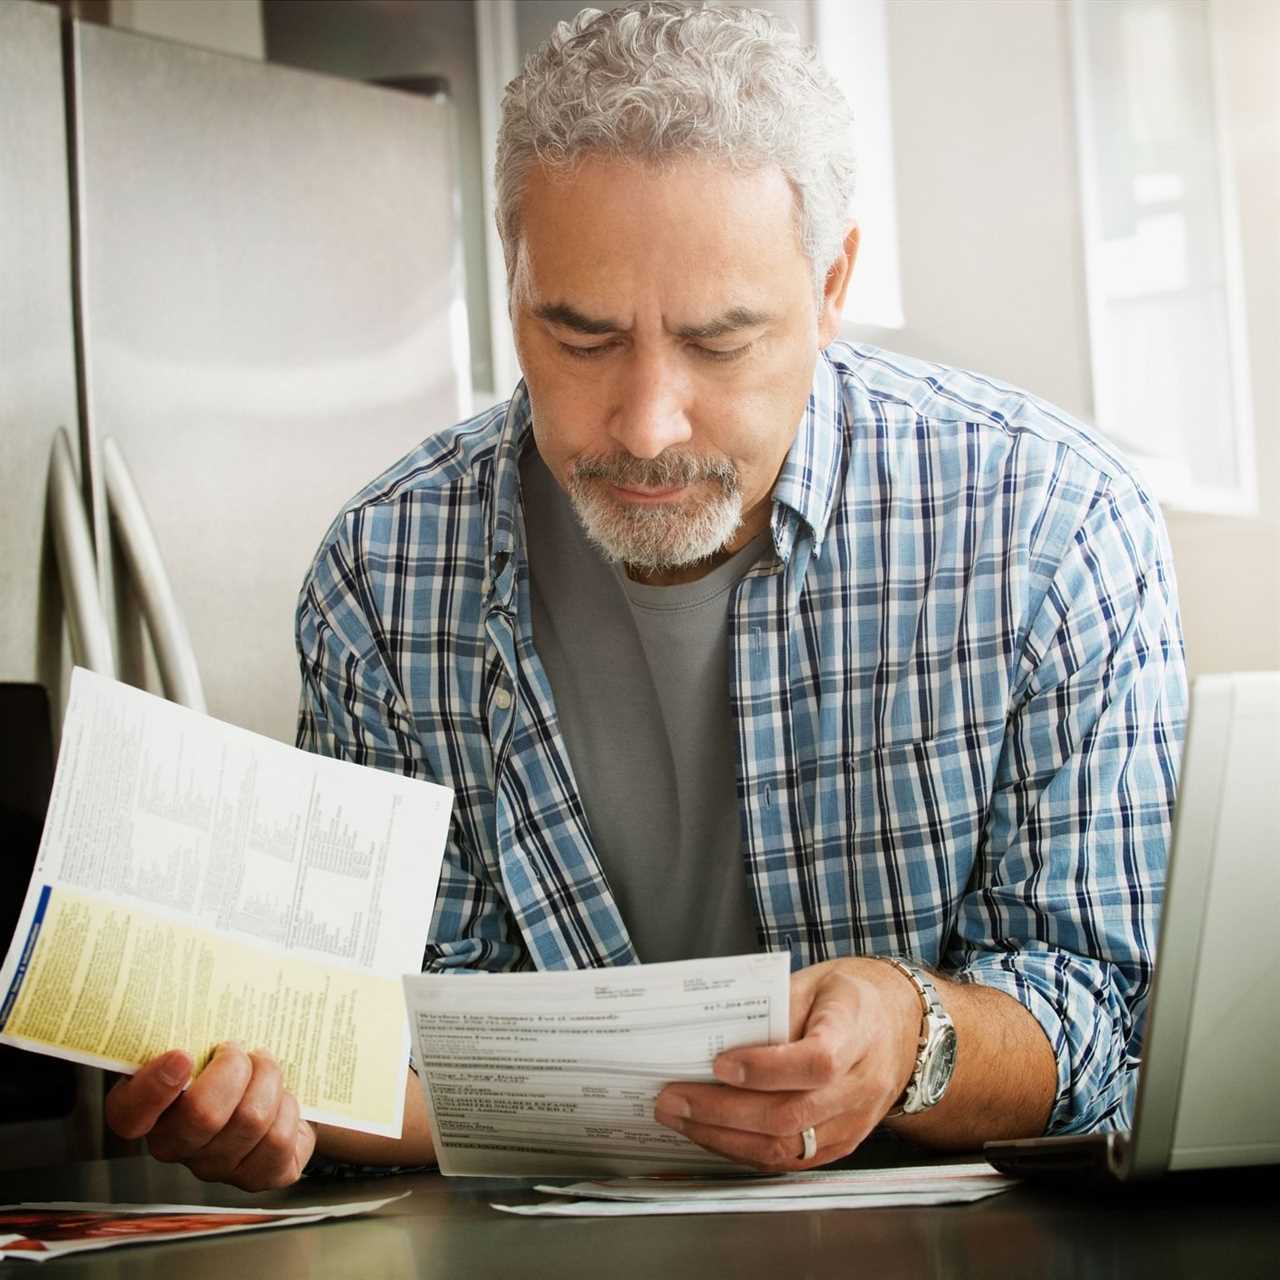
989	230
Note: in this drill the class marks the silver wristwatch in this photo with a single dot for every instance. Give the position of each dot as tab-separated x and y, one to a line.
936	1059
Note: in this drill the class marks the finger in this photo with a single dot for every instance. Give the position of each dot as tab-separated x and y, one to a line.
189	1125
777	1153
136	1102
282	1153
249	1122
832	1042
777	1114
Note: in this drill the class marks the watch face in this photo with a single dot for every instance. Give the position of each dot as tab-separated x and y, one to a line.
937	1071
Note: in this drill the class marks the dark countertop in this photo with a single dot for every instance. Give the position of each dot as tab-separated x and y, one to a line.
1221	1225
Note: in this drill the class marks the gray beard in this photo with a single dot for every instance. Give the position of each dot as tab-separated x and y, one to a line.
656	538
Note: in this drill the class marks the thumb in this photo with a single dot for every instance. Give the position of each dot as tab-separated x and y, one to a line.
304	1144
832	1018
805	987
136	1102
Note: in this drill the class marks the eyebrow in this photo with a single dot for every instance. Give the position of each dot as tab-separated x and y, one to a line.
567	317
734	319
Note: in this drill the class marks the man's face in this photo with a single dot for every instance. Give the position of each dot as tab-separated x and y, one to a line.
667	328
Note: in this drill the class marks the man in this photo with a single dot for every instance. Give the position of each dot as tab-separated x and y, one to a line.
729	636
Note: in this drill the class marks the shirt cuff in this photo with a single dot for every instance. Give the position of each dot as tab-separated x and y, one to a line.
1086	1023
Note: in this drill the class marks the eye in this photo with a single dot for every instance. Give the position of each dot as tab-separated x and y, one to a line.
724	357
586	353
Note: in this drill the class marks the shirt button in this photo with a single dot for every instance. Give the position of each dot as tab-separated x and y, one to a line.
502	699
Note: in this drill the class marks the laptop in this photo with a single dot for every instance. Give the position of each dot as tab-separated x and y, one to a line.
1208	1093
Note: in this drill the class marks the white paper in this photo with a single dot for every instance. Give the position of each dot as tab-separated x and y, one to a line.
104	1226
787	1204
813	1184
557	1073
303	885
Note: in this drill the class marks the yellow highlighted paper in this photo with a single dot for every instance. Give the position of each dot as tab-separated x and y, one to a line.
196	883
112	984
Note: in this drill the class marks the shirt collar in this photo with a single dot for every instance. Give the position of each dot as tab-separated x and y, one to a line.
506	524
805	490
810	478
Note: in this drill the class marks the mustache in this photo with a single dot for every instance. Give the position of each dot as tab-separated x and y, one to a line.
671	468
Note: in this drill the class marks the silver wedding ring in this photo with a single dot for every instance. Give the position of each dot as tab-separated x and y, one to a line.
810	1140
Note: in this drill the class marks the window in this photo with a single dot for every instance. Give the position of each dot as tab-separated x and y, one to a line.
1162	266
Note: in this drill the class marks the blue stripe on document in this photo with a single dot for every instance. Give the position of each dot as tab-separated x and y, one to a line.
11	996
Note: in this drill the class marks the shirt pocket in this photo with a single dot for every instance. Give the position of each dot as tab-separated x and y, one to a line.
916	812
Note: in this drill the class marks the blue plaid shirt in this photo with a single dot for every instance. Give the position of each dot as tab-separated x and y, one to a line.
957	683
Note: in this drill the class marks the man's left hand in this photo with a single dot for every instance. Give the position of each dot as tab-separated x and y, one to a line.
855	1031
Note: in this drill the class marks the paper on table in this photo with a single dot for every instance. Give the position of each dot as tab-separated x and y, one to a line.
51	1229
787	1204
812	1185
557	1072
197	883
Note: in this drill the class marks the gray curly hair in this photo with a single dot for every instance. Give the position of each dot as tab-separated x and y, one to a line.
660	80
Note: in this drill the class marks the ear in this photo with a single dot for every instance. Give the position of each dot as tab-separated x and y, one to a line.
836	288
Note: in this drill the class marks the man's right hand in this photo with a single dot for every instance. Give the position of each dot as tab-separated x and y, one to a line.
236	1123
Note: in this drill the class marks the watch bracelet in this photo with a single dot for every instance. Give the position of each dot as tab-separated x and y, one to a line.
909	971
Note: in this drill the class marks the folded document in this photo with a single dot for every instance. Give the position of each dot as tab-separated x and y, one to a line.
819	1189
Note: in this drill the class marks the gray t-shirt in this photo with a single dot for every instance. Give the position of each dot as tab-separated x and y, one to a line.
640	676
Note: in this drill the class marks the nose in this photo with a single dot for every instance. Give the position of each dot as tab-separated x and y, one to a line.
650	411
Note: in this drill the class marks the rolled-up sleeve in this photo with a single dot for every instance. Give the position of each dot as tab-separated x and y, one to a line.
1062	907
351	709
